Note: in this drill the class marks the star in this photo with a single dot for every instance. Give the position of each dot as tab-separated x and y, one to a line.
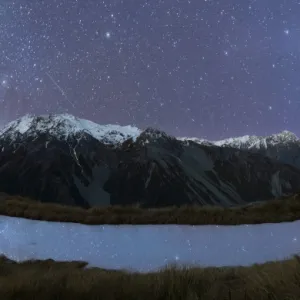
4	83
212	57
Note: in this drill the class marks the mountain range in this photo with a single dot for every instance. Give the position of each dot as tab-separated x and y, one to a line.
72	161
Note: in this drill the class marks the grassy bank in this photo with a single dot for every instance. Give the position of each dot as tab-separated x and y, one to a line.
69	280
274	211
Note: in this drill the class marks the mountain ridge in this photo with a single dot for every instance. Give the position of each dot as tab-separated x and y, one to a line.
248	141
67	124
70	164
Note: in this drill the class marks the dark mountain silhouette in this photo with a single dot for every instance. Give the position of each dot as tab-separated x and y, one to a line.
63	159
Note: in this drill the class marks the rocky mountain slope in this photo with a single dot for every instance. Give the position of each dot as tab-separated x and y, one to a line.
60	158
284	146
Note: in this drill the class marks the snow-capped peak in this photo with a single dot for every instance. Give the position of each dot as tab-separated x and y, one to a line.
251	141
64	125
284	136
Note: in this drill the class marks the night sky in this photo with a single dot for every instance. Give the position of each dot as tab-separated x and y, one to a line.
204	68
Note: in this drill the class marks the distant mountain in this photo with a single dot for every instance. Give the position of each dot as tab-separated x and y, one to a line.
63	159
284	146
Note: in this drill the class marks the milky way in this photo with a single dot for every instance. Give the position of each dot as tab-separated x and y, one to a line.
210	69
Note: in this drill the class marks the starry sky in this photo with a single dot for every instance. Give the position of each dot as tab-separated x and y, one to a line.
203	68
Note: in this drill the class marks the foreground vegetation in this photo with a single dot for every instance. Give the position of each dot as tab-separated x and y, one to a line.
274	211
50	280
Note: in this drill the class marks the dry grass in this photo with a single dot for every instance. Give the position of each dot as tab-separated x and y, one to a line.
275	211
49	280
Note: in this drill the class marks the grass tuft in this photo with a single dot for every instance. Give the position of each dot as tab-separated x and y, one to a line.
50	280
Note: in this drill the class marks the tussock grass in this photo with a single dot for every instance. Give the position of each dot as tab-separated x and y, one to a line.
50	280
273	211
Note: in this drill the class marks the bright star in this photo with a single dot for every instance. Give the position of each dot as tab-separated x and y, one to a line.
4	83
